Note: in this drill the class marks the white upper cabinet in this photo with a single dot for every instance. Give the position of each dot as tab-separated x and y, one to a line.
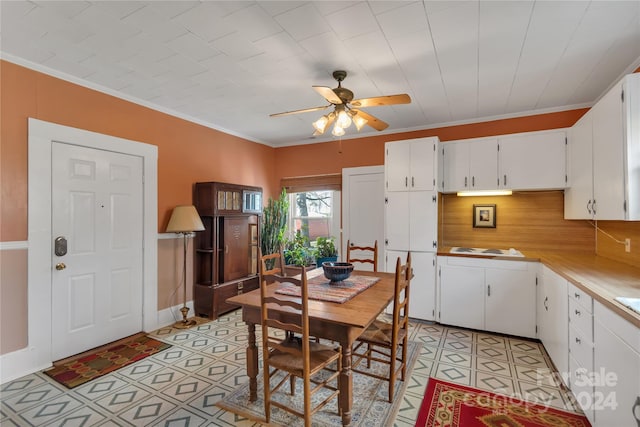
604	157
470	165
410	164
533	160
525	161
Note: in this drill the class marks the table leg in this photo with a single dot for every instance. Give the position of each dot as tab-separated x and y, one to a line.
252	363
346	384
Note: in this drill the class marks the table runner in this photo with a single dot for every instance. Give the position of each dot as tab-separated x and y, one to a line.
319	288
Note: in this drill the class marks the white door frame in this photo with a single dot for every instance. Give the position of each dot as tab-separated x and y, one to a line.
346	173
37	355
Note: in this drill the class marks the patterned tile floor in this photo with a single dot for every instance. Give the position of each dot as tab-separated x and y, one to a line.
180	386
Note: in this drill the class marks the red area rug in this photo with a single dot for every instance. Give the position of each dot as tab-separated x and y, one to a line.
88	367
447	404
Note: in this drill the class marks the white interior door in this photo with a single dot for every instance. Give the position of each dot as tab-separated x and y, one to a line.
97	285
363	209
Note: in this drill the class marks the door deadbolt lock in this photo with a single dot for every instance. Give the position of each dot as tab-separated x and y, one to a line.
60	266
60	246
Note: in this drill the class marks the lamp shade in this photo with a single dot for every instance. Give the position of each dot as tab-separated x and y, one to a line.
184	219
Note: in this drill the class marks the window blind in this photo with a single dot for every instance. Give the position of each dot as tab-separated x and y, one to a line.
301	184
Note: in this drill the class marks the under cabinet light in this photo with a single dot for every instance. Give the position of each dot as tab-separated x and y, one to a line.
484	193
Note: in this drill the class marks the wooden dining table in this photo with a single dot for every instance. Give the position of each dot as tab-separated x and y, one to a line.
339	322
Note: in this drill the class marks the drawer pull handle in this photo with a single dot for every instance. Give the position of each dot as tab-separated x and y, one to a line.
240	286
578	313
577	295
578	340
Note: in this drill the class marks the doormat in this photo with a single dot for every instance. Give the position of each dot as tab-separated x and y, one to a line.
88	367
446	404
370	407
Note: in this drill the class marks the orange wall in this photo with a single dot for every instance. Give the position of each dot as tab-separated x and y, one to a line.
187	152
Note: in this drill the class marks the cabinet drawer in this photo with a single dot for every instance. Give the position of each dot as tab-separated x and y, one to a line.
229	290
581	320
581	297
581	349
582	388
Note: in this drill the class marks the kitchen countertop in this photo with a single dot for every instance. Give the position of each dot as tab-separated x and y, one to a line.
602	278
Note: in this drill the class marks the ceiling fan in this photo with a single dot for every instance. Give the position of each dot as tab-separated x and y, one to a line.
346	109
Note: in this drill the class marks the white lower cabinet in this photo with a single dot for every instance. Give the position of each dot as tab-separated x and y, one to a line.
553	318
492	295
616	401
422	297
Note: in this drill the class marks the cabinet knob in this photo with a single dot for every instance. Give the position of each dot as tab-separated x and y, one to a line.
576	295
578	340
578	313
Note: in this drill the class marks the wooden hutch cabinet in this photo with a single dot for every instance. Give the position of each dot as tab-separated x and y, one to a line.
226	257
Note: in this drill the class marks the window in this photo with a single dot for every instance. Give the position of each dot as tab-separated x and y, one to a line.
315	214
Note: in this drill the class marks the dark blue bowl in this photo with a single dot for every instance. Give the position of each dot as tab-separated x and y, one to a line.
337	271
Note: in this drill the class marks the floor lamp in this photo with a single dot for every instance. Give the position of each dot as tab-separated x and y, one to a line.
184	220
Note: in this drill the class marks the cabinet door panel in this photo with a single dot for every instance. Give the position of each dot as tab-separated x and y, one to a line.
455	166
397	165
422	165
578	195
483	164
423	221
397	220
422	301
510	303
533	161
235	246
553	323
608	157
462	296
621	364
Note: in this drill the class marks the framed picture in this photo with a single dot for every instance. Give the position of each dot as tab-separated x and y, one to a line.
484	216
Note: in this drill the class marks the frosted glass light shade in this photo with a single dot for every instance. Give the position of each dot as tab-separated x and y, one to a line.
184	219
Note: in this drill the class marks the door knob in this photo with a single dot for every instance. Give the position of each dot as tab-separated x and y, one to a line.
60	266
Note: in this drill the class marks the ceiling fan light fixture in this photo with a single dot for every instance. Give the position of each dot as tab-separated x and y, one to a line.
337	130
320	125
359	121
343	120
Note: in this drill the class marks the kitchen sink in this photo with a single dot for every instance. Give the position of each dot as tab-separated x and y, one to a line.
632	303
486	252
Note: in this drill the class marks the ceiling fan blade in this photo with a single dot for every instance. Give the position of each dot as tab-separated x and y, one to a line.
372	121
382	100
306	110
328	94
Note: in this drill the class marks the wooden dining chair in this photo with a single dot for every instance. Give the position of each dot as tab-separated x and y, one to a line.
372	260
295	358
271	266
387	342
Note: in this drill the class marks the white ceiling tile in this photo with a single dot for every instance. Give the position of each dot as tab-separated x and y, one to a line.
256	23
353	21
274	8
172	9
381	6
66	9
502	32
118	9
409	19
192	47
68	67
552	25
279	46
236	46
303	22
155	25
206	21
99	22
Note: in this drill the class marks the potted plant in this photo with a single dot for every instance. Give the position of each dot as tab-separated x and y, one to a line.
325	250
298	251
274	223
